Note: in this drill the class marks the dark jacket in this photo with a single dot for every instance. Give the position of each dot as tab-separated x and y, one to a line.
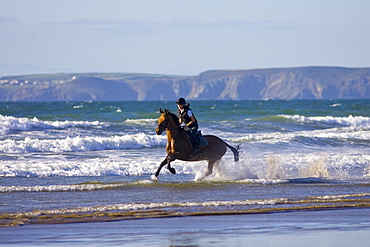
186	119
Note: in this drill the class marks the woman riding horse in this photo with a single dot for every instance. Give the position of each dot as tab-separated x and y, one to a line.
190	123
178	146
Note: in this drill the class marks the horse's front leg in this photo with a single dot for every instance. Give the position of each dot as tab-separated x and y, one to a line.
166	161
170	158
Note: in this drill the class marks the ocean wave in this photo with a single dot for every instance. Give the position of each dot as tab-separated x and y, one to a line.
135	210
87	186
146	121
81	144
117	164
331	136
253	166
10	124
350	121
59	188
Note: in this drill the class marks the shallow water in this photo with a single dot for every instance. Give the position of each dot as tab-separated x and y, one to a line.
66	162
306	228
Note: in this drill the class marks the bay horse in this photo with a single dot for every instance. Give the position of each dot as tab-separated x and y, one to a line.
179	148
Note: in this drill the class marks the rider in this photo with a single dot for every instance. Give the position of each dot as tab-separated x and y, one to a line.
191	124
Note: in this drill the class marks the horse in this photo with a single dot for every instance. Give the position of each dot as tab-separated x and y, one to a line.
179	148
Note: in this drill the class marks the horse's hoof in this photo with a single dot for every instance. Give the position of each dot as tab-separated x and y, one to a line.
172	170
154	177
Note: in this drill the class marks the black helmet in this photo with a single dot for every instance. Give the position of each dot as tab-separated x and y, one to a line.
181	101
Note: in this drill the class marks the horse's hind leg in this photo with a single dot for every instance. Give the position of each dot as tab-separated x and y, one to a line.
209	170
210	167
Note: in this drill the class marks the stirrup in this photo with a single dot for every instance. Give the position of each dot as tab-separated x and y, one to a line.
199	154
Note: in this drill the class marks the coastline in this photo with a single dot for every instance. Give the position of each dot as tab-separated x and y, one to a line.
342	227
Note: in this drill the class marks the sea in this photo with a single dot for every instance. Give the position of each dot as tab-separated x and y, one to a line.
63	163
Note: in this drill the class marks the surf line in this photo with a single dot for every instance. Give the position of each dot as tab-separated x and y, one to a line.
12	220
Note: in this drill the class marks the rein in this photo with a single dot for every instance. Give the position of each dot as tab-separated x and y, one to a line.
164	125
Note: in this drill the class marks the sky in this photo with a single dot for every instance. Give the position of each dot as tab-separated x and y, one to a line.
180	37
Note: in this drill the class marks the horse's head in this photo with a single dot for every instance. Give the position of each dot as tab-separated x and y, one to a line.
163	122
166	120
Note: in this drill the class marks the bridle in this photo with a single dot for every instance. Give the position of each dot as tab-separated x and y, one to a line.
164	124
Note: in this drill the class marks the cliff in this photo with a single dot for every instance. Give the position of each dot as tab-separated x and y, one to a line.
253	84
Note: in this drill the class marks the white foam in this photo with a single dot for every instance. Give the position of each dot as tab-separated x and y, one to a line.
58	188
254	166
80	144
292	165
350	121
145	206
335	105
117	163
270	168
333	133
9	124
146	121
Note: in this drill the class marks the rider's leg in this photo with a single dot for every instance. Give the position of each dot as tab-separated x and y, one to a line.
194	133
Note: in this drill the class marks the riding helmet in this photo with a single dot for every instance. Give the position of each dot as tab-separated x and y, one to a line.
181	101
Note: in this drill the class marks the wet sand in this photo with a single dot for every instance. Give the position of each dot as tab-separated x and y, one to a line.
349	227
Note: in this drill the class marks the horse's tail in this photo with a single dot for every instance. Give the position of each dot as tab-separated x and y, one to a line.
236	151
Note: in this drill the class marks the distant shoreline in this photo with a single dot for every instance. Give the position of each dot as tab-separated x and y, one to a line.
249	84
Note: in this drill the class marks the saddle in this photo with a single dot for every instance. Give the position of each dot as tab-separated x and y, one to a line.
202	141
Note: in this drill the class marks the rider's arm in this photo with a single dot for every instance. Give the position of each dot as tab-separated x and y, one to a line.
192	118
192	121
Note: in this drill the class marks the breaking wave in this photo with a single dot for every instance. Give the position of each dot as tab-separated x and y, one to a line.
350	121
126	211
332	130
10	124
80	144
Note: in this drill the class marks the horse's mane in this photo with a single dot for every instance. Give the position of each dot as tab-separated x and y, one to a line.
175	118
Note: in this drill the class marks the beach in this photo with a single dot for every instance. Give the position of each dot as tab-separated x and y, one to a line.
309	228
